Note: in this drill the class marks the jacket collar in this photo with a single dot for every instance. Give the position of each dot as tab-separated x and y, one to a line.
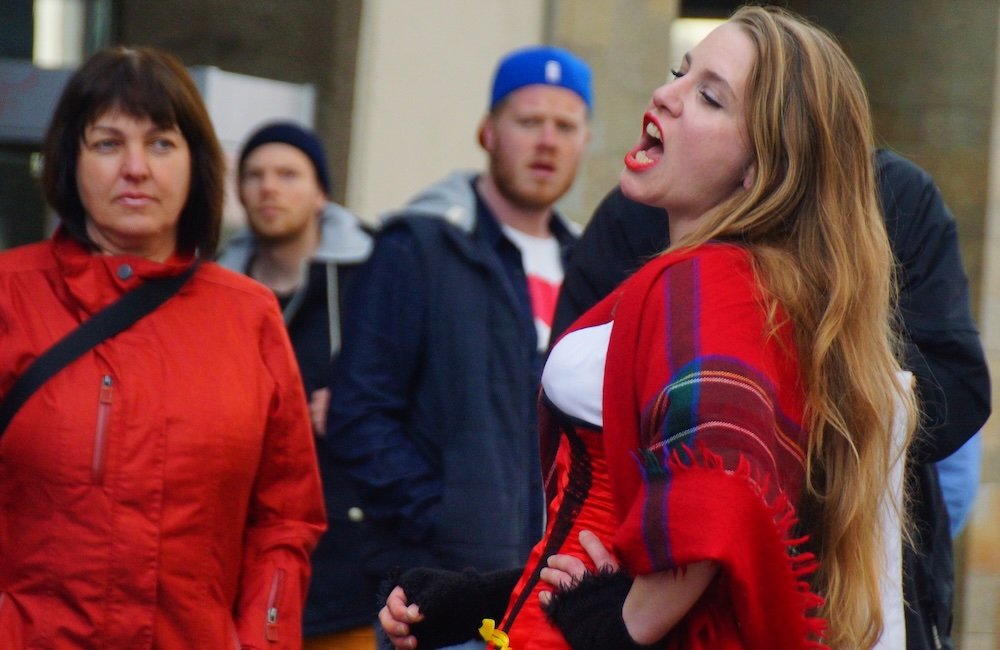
95	280
455	200
451	199
342	240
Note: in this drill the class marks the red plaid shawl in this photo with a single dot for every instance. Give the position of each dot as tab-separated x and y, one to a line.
705	448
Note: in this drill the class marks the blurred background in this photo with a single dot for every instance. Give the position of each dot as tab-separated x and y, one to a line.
396	89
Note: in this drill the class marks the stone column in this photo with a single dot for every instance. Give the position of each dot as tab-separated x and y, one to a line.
299	41
627	44
930	69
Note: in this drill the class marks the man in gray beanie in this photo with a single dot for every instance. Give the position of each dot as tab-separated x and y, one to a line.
306	250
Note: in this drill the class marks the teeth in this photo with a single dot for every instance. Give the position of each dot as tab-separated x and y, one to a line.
641	156
653	131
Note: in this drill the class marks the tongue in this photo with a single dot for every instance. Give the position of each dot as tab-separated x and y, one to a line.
649	155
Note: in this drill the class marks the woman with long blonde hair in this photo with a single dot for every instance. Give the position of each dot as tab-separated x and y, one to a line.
744	380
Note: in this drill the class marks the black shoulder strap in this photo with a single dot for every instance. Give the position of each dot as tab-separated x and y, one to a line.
116	317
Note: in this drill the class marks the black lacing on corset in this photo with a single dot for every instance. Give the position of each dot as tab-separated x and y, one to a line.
577	488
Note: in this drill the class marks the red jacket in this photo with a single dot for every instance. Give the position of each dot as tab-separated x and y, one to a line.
162	490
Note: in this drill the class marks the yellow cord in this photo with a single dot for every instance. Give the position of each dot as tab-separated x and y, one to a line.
492	635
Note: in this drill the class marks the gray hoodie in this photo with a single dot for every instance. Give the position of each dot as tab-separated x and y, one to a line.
342	242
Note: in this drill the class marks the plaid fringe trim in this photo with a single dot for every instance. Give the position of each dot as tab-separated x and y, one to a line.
782	511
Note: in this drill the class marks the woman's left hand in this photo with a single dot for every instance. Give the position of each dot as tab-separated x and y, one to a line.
564	571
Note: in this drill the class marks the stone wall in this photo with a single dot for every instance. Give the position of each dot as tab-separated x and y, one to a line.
627	44
299	41
930	69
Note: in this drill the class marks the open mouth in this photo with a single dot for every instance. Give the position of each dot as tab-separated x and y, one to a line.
649	149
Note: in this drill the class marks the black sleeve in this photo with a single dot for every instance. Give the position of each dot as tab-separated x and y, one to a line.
454	603
589	614
943	347
621	236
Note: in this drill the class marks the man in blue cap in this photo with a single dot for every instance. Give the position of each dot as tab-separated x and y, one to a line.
445	331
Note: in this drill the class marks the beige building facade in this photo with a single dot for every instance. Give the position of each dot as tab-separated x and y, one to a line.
401	85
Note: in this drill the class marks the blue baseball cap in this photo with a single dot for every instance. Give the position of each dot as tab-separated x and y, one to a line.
545	65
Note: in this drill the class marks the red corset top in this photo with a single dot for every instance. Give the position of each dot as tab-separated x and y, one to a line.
583	502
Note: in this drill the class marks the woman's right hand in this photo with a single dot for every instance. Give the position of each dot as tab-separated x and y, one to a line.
564	571
396	617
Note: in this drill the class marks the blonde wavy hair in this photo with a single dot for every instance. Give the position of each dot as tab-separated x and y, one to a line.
812	223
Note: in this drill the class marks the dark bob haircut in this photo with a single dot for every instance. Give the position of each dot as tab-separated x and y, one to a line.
141	83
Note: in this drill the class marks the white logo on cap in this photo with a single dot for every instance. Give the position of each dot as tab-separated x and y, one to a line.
553	72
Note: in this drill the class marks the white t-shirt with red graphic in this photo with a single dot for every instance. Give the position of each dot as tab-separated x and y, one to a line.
543	268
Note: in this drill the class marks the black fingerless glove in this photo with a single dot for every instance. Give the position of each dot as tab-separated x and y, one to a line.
589	615
454	603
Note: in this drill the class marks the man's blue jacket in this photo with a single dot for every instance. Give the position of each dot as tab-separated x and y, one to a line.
436	389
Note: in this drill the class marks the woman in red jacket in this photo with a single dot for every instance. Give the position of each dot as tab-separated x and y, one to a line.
742	380
162	490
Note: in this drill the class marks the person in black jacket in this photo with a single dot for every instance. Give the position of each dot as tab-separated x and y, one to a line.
307	250
943	351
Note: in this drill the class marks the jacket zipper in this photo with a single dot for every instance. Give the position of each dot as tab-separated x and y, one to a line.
937	637
101	434
237	645
273	598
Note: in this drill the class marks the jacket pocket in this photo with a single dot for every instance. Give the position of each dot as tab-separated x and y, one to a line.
101	434
273	605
